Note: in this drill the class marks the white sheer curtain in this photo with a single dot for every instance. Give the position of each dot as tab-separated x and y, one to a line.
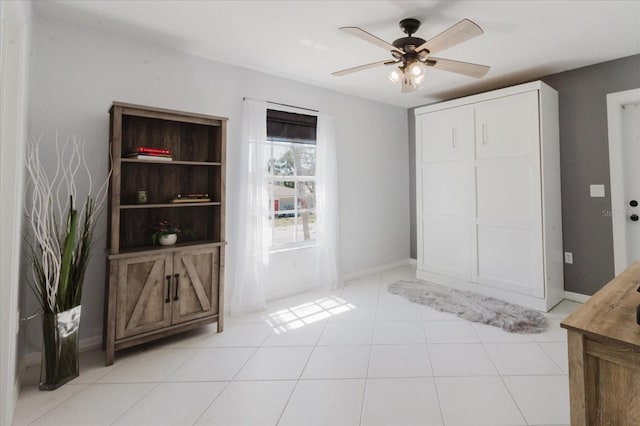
327	273
254	234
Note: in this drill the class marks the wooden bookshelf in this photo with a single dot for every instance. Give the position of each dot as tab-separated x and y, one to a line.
155	291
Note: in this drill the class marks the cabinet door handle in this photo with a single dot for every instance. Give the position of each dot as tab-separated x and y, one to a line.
454	141
177	277
168	299
484	133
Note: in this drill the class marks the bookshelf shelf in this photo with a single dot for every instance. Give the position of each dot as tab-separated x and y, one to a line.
168	205
172	163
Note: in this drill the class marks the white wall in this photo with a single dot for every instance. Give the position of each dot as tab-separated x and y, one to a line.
77	73
14	45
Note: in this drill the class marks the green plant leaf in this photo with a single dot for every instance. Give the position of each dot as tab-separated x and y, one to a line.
67	259
82	253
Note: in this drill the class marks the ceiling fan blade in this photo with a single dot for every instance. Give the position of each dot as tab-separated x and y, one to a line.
362	34
462	31
466	68
362	67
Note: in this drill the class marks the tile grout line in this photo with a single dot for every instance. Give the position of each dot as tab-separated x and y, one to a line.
433	374
286	404
227	382
136	403
373	326
212	401
550	357
482	343
231	380
158	384
60	403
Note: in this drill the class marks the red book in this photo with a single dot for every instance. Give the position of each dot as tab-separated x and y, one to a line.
148	150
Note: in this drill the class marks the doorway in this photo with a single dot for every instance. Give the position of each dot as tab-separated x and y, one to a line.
623	116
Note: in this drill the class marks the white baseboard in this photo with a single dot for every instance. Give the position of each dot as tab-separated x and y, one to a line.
86	345
576	297
17	385
413	262
376	270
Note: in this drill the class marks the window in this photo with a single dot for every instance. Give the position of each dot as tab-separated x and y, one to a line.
291	165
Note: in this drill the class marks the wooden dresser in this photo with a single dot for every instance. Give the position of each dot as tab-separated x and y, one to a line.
604	355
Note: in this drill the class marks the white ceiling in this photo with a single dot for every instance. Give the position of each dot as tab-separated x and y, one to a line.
300	40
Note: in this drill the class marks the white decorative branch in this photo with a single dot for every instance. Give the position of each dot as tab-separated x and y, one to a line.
47	205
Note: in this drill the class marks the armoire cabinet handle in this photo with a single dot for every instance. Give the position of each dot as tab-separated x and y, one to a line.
484	133
168	299
177	277
454	141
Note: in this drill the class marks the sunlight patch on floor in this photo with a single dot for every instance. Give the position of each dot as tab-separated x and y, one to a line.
295	317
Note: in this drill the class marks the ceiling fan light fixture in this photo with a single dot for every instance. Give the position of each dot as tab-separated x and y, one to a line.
411	82
416	69
395	76
413	76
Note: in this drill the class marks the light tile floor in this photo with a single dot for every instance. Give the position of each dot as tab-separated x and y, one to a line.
355	356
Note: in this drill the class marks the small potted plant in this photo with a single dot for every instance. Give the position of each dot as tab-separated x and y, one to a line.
165	233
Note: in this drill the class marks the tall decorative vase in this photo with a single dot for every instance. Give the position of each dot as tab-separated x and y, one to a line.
60	348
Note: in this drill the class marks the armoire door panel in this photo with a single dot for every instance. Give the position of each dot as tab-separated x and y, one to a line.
447	135
447	188
196	281
142	294
506	190
509	258
446	246
508	127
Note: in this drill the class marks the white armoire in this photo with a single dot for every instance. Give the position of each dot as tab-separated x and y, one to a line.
488	195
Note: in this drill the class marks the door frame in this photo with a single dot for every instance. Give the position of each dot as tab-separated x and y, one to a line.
15	23
615	101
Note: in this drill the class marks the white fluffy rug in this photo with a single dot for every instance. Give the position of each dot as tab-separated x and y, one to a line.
471	306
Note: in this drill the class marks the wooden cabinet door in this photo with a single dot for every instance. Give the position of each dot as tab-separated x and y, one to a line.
508	195
143	286
196	283
445	208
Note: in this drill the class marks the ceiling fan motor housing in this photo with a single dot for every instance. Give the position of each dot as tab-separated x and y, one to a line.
409	26
408	44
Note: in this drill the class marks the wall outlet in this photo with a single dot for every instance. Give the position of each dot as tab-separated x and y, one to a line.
568	257
596	190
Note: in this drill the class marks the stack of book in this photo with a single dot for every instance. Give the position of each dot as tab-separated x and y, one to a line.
190	198
147	153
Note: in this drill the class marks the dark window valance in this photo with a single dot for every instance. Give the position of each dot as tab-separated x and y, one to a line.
291	127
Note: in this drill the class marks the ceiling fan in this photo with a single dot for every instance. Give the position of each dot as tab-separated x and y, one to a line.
413	54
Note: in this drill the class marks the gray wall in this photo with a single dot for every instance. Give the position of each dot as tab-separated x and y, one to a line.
77	72
584	160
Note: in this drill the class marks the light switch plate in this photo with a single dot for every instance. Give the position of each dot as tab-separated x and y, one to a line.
568	257
596	190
